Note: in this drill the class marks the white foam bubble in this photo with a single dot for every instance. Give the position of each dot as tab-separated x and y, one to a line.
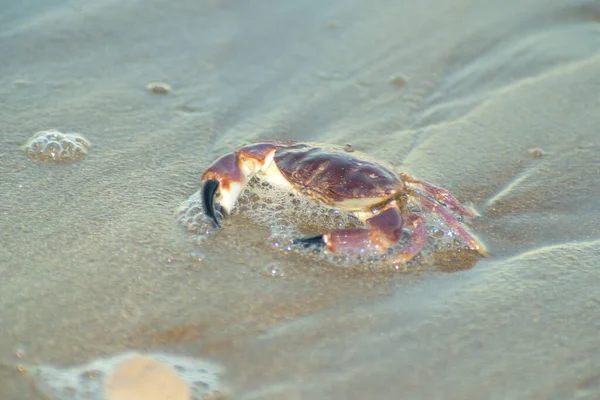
57	146
192	217
87	382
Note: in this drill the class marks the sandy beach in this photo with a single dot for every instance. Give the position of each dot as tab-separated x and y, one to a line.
499	102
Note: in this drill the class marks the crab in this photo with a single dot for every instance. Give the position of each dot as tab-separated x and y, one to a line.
340	178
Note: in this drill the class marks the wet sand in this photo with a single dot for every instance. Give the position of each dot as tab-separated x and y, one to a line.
93	263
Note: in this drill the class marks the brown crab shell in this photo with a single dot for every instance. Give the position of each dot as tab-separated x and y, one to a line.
333	176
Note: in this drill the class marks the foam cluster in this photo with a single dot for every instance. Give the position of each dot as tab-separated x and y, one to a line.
57	146
192	217
123	377
285	211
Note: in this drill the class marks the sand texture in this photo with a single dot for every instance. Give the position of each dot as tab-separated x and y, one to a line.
499	102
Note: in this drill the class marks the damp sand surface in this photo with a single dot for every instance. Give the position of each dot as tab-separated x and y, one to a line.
498	102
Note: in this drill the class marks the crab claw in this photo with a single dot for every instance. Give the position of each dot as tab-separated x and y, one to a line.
225	179
208	199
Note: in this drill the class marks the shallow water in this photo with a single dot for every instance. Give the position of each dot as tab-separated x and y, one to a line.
93	262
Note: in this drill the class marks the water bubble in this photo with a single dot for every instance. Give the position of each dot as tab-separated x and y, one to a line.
52	150
196	256
67	145
437	232
92	374
192	216
273	270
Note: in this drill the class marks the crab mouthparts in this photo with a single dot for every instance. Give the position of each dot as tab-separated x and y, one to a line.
208	199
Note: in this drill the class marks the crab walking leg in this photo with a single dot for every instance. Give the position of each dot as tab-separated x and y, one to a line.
417	241
453	223
441	195
351	241
384	230
226	178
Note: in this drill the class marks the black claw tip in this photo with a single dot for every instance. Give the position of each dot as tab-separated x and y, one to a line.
306	242
208	199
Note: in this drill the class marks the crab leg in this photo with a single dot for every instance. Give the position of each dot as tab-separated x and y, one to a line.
441	195
417	241
225	179
384	230
453	223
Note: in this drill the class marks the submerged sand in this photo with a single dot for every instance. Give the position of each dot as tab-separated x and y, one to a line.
93	263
